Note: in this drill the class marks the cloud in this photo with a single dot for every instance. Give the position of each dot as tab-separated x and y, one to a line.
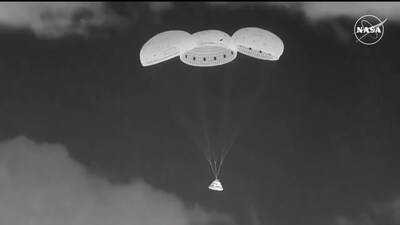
254	217
395	206
160	6
380	213
316	11
55	19
41	185
324	10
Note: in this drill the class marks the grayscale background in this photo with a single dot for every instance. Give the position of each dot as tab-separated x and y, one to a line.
88	136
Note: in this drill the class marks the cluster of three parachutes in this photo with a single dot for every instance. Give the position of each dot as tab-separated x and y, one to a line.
211	48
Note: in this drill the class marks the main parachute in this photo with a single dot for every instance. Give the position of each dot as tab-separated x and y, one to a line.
211	48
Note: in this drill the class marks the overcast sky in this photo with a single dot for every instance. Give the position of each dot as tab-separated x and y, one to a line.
89	136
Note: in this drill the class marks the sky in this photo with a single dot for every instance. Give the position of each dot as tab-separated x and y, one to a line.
89	136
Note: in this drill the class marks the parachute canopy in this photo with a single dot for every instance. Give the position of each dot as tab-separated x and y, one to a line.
258	43
165	46
216	186
211	47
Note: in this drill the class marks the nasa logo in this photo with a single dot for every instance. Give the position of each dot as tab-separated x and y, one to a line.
369	29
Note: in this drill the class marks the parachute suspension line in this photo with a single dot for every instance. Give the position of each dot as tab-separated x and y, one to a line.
227	94
206	137
212	168
211	157
200	106
204	147
196	139
221	160
215	159
227	98
201	146
224	153
185	122
224	113
187	125
226	150
216	168
258	92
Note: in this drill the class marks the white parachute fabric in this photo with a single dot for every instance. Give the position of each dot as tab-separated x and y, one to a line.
165	46
258	43
213	48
